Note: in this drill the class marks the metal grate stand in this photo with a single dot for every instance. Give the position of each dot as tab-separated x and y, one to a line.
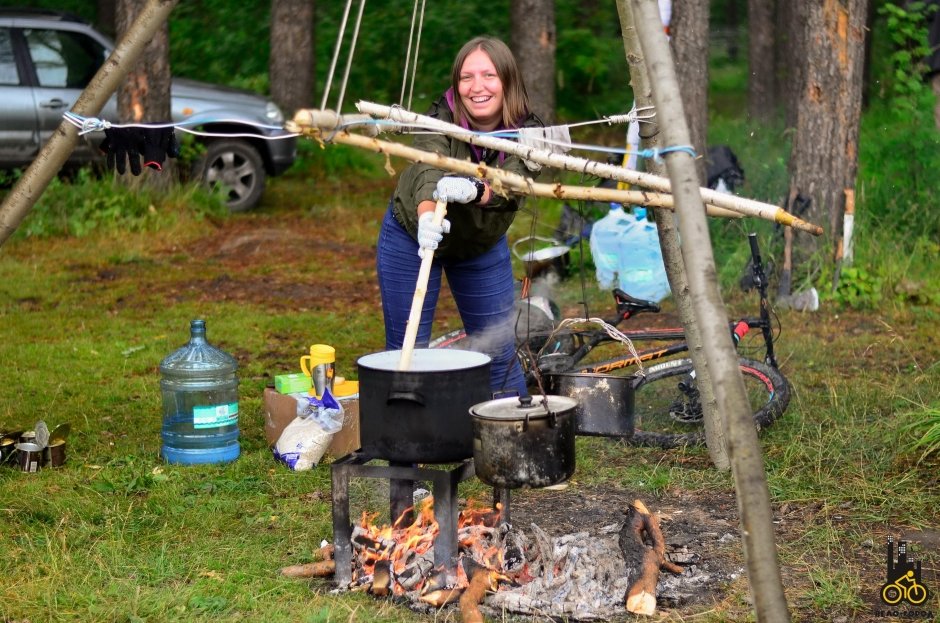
402	479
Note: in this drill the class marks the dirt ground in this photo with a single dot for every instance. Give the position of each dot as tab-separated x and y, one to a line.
701	529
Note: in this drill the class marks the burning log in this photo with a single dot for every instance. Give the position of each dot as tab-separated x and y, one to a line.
473	595
381	579
641	595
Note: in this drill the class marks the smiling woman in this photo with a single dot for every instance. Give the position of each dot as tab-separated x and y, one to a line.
486	93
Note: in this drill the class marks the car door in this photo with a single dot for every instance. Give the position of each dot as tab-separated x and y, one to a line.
19	136
63	62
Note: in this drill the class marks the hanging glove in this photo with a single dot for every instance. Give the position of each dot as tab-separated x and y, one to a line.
123	145
429	234
459	189
158	144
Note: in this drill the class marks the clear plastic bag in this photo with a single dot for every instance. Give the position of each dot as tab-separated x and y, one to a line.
304	441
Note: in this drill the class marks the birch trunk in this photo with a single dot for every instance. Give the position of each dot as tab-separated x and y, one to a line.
669	243
743	446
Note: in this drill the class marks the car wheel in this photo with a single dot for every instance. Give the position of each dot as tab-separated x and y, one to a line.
237	168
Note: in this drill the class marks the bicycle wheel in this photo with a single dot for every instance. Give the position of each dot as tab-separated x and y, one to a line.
668	412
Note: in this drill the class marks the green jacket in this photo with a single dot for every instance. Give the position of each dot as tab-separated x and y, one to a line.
474	228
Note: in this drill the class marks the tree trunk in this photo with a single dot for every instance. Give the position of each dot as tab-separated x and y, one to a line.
533	43
291	63
757	531
669	243
761	95
824	160
144	97
689	28
788	45
105	18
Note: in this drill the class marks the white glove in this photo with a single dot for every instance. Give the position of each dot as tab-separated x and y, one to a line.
459	189
429	234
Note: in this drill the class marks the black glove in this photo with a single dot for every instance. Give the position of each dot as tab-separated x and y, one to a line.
158	144
121	145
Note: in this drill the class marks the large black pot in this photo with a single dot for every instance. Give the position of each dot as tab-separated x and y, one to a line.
524	442
605	402
421	415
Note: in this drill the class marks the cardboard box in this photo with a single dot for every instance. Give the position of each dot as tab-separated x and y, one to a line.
281	409
292	383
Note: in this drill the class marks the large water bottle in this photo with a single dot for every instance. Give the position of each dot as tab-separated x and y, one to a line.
605	244
641	271
200	402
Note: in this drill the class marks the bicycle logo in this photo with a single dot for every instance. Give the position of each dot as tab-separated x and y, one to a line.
903	579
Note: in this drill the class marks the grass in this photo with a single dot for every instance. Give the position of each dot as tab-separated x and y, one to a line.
116	535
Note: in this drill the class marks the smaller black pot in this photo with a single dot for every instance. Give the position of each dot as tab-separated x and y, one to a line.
605	402
524	442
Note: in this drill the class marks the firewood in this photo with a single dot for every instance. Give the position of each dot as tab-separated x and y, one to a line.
441	597
320	569
473	596
381	579
641	596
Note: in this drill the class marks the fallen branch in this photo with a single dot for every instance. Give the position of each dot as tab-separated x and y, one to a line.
641	595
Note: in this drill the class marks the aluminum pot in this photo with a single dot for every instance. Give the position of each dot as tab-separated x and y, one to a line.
605	402
421	415
524	442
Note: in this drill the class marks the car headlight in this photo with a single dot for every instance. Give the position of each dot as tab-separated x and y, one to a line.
273	113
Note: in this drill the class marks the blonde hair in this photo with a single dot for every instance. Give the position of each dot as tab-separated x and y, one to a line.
515	98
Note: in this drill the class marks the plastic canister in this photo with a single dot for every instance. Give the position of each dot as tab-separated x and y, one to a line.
200	402
605	244
642	273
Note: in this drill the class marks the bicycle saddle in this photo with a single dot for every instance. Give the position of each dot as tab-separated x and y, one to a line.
628	306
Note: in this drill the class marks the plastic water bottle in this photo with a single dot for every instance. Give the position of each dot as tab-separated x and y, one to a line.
642	273
200	402
605	244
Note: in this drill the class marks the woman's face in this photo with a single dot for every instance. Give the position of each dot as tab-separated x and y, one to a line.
481	90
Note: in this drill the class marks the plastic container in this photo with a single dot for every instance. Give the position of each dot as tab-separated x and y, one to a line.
605	244
626	253
200	402
642	272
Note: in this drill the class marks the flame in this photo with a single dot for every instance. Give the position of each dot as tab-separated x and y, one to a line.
407	550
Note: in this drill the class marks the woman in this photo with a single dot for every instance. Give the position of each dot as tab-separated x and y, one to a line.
486	94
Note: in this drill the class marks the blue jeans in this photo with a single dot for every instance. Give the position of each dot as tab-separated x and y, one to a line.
483	290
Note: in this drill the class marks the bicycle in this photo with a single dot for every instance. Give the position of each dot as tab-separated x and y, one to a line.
668	411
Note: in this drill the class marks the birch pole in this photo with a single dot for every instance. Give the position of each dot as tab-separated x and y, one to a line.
747	467
748	207
105	82
669	243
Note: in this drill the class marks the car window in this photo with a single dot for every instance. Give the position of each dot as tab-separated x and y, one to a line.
63	58
8	73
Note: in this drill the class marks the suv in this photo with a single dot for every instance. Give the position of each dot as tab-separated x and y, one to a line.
47	58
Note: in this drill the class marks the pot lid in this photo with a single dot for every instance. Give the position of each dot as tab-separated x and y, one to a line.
521	408
426	360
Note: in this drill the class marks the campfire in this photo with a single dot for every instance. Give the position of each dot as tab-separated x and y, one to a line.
500	567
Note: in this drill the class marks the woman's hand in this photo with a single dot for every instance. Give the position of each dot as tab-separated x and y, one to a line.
459	189
429	234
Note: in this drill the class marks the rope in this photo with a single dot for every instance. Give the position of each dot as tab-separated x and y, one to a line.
612	331
86	125
339	41
414	66
352	50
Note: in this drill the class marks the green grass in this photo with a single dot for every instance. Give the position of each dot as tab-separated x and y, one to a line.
116	535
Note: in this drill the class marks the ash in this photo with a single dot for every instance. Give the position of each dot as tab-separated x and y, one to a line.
584	577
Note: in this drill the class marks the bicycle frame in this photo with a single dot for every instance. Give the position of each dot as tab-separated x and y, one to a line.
626	308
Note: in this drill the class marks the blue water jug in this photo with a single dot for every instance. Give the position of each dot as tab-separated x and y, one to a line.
200	402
